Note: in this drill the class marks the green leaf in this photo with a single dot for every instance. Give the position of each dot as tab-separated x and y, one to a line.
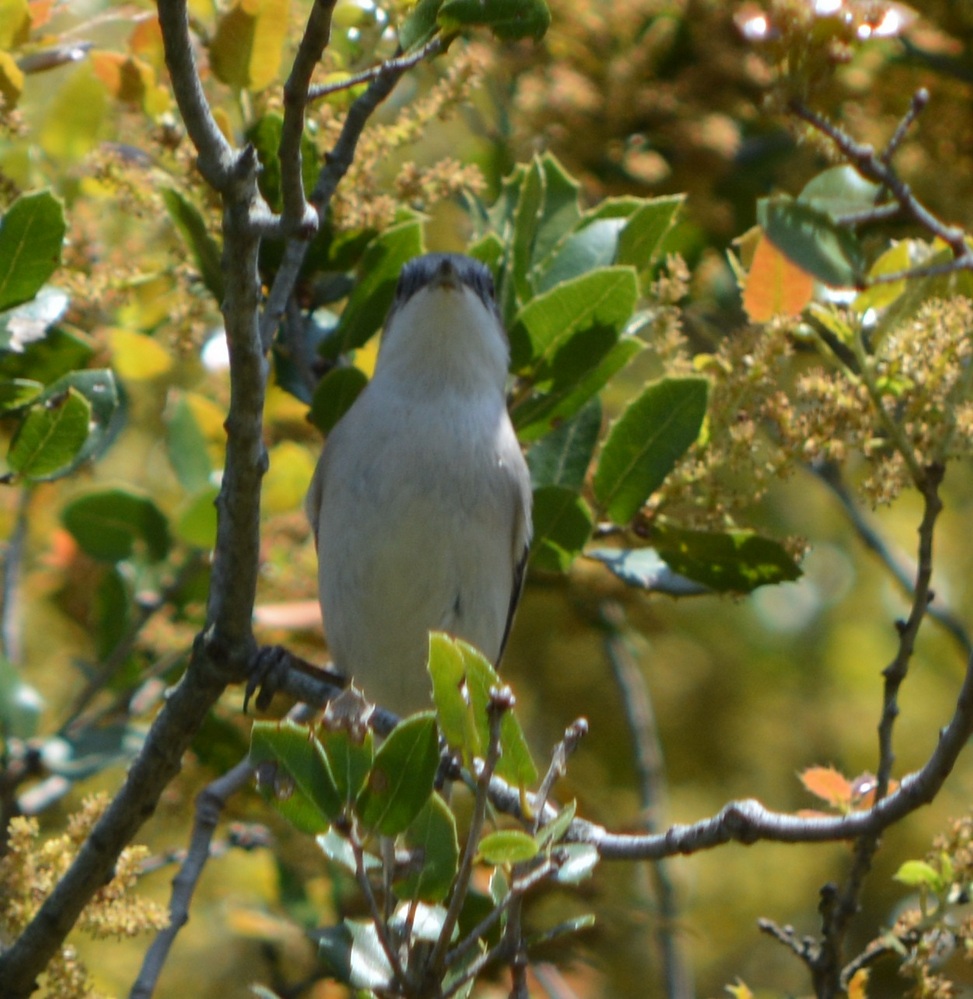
515	764
334	395
447	668
554	831
737	562
292	768
111	611
433	834
508	846
602	299
197	521
840	190
810	239
645	568
186	445
103	393
402	776
559	213
544	411
645	230
919	874
562	524
205	250
31	234
15	393
420	26
590	248
265	134
372	297
645	443
350	760
530	201
108	525
57	353
51	436
563	456
509	20
21	705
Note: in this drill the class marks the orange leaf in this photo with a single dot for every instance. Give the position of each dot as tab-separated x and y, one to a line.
775	286
829	785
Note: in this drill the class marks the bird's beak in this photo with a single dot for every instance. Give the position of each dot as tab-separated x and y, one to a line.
446	276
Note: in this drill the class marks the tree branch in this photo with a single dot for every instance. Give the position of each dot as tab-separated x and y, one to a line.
223	651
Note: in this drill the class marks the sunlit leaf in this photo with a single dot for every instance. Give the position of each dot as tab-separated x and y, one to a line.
187	448
562	524
246	50
645	230
509	20
840	190
775	286
15	393
353	953
812	240
858	986
507	846
544	411
380	267
645	443
919	874
138	357
289	474
645	568
75	116
563	456
728	562
11	80
197	523
829	785
350	759
604	298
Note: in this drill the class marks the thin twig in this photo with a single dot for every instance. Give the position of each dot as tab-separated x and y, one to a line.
337	164
13	556
399	63
116	659
500	702
904	575
653	793
298	216
209	806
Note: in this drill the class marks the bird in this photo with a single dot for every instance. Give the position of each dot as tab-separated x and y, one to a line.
420	503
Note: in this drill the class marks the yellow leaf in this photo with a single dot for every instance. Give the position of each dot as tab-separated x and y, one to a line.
11	80
246	50
739	990
287	478
74	119
138	357
775	286
14	23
